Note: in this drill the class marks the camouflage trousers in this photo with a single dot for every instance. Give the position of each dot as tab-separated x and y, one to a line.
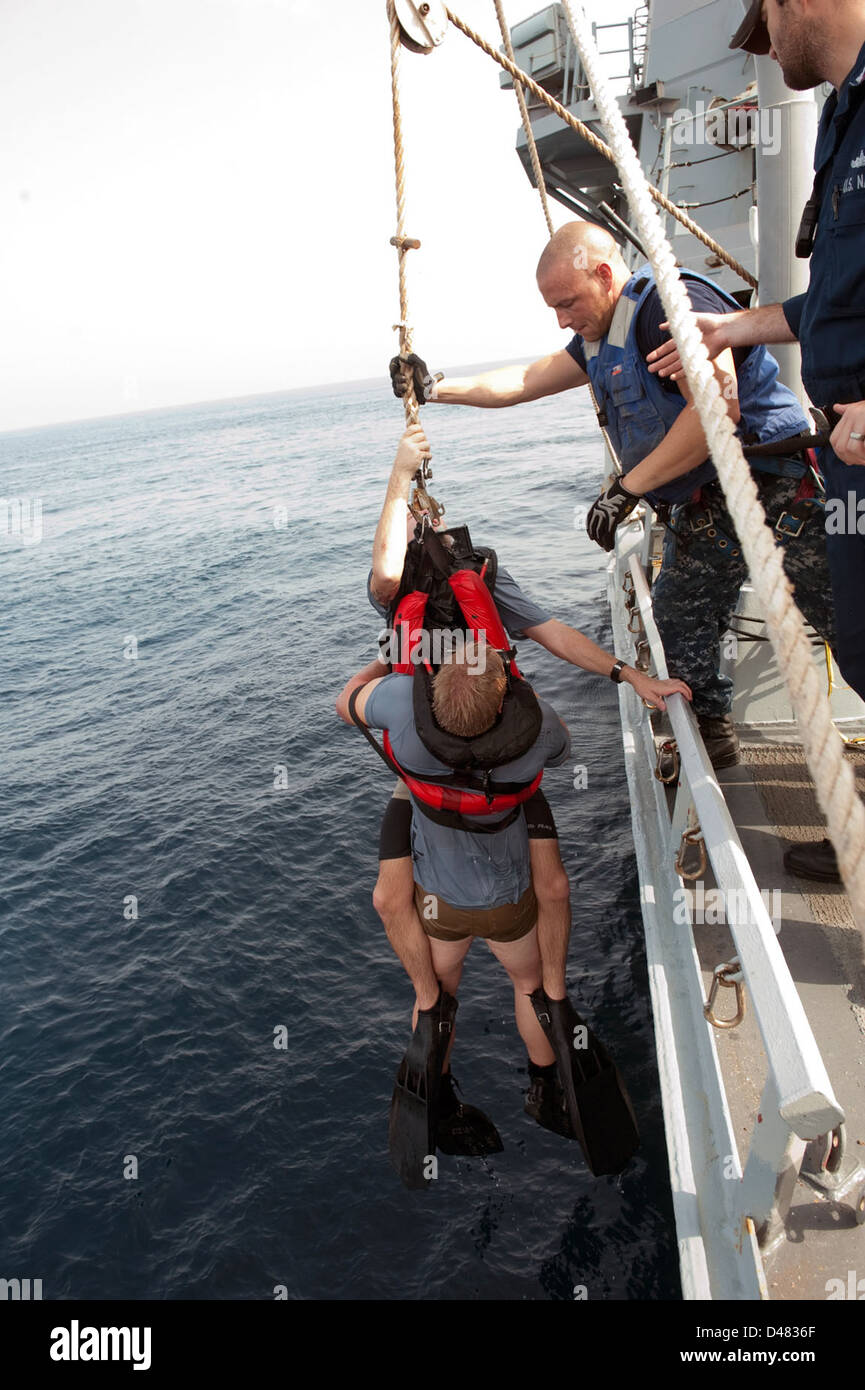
696	593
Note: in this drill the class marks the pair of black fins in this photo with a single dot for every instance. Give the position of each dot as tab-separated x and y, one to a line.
588	1100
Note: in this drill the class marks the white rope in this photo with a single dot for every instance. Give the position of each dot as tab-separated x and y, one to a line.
836	789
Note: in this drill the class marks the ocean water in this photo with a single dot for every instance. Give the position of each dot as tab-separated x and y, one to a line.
189	843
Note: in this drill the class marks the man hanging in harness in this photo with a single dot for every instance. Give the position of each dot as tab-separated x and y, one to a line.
454	769
616	318
521	616
468	844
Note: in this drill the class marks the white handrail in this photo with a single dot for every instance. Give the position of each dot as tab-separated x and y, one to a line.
807	1102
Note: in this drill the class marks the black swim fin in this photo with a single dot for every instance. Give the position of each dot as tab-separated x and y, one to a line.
545	1102
463	1130
595	1099
414	1106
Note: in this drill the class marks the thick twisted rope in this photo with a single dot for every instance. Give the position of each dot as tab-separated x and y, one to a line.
836	789
524	112
597	144
402	243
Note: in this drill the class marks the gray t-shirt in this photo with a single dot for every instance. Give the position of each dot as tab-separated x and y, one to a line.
464	869
516	610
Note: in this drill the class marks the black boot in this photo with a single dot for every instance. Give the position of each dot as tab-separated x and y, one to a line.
816	859
719	735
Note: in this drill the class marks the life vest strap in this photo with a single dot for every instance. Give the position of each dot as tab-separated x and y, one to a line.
463	819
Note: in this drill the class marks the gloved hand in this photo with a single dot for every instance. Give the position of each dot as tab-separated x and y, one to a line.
612	507
422	378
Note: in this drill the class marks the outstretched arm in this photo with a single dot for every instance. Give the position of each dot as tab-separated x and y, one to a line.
767	324
512	385
571	645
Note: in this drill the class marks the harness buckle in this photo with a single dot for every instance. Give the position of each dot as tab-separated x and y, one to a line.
702	520
790	525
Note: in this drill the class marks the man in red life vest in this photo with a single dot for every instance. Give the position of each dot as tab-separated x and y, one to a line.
521	616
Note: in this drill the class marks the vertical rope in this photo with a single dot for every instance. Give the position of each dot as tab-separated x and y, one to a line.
400	240
524	112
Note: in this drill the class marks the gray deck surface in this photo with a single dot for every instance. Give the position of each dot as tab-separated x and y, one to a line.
772	802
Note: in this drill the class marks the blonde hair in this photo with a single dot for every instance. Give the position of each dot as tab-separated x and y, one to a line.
467	695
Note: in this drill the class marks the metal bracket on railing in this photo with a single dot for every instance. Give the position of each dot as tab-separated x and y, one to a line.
643	658
692	837
635	614
729	976
668	750
826	1167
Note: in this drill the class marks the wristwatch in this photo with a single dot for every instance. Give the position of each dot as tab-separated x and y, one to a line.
616	673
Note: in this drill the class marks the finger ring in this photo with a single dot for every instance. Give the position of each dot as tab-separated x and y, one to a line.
854	434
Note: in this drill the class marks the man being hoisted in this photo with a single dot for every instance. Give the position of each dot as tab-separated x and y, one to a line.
452	586
394	563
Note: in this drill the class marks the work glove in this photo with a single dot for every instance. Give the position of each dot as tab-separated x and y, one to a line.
422	378
612	507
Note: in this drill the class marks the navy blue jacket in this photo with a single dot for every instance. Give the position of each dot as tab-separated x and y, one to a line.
829	320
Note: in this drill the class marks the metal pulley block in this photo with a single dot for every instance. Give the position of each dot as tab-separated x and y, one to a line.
423	507
421	27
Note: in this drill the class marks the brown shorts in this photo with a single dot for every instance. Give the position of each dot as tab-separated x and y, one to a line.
509	922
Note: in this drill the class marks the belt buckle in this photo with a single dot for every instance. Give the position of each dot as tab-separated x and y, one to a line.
701	521
787	530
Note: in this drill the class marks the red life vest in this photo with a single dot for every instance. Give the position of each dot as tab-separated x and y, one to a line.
468	792
478	609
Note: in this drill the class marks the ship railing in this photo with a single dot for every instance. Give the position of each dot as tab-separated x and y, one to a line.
544	48
798	1103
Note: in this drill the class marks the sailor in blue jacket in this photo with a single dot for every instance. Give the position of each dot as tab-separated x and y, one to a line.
616	317
822	41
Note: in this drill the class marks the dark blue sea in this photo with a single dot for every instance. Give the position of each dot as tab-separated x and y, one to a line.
189	844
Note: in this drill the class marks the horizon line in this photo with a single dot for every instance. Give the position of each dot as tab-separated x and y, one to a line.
459	368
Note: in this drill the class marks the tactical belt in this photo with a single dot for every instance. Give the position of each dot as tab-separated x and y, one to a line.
694	517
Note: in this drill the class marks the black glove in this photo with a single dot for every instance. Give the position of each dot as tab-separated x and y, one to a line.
611	508
422	378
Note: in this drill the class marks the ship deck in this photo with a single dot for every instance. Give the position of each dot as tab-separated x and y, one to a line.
772	801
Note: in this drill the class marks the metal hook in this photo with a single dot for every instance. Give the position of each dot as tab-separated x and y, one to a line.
730	977
670	749
692	837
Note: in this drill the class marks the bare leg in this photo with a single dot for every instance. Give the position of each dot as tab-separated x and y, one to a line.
447	958
393	900
552	890
522	961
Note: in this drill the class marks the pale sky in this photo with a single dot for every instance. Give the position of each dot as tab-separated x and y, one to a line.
197	196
